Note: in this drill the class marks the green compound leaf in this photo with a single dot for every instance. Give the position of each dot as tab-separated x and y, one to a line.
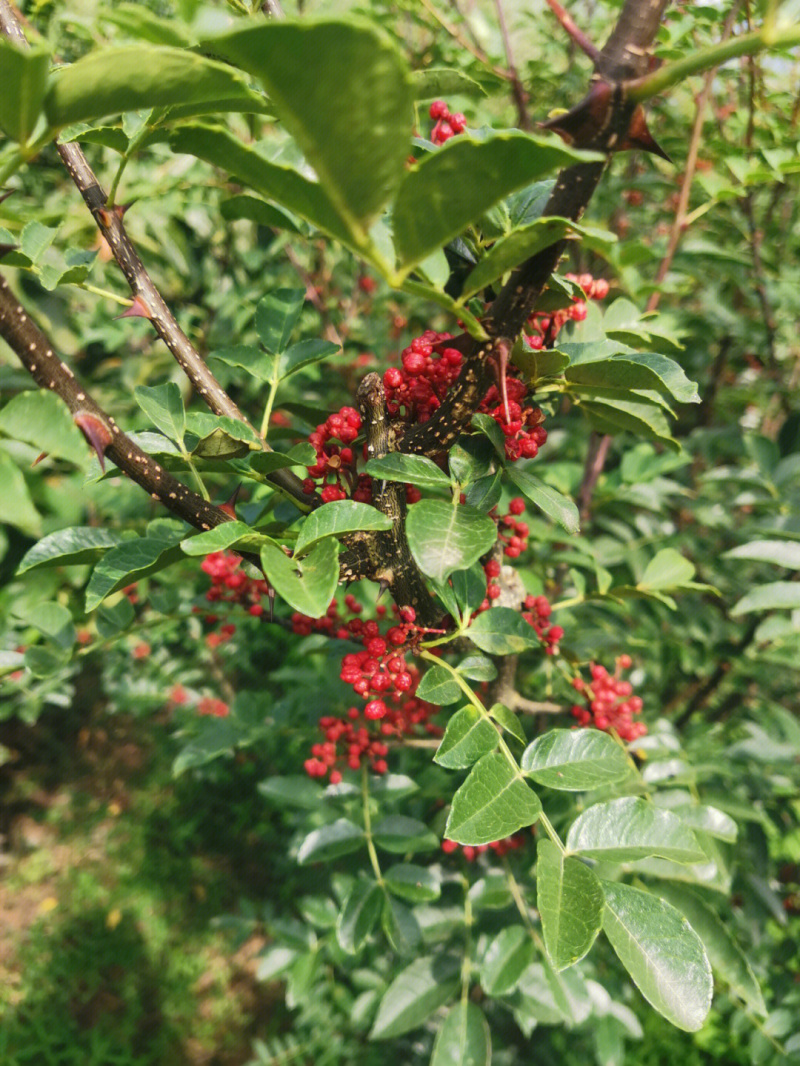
727	959
412	469
306	584
464	1038
554	504
113	80
444	538
508	955
662	953
417	991
70	547
453	187
573	760
23	75
468	737
630	828
569	899
502	631
163	405
129	562
401	835
330	842
358	916
493	803
336	518
358	151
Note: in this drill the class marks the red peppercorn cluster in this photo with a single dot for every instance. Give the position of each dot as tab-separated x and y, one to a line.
380	671
447	125
546	327
335	458
349	743
537	613
609	704
429	368
499	847
209	705
231	585
521	423
511	532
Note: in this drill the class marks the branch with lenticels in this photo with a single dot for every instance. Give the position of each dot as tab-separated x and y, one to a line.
35	352
147	300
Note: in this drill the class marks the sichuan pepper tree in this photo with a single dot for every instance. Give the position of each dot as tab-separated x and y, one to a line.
425	488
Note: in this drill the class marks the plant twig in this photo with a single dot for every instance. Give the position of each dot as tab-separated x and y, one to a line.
679	222
578	36
595	461
517	88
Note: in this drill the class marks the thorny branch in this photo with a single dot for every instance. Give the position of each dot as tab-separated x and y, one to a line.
36	353
148	302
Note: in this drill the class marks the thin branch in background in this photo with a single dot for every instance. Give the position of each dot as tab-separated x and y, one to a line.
595	461
679	222
517	88
473	48
577	35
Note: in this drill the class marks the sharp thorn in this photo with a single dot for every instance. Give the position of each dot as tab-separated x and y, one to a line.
96	432
383	585
229	507
39	458
138	309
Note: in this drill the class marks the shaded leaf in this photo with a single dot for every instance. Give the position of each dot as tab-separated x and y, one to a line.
411	469
506	957
417	991
330	842
554	504
357	918
70	547
569	899
502	631
306	584
662	953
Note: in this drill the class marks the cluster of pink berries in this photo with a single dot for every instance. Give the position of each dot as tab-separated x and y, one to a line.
499	847
347	743
521	423
511	532
609	704
546	326
335	458
429	368
380	671
447	125
537	613
230	585
207	705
